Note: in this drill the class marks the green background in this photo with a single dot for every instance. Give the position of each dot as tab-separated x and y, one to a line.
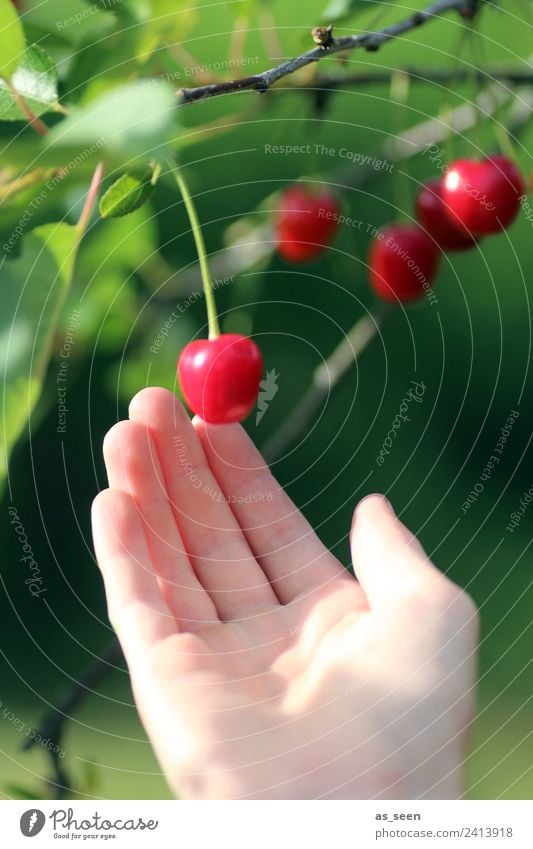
471	350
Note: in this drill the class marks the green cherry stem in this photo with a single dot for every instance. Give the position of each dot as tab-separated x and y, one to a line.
399	95
212	316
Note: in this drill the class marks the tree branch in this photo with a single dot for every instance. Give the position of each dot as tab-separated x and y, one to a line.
52	726
371	41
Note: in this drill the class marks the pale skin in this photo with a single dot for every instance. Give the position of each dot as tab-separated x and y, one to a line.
260	667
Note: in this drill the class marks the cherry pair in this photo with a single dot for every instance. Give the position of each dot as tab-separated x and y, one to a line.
474	199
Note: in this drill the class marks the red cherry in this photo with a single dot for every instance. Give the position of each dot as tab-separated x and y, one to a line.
431	213
403	261
305	223
483	196
220	377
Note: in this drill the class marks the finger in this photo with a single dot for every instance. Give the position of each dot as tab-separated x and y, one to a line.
136	607
133	466
388	560
284	543
221	557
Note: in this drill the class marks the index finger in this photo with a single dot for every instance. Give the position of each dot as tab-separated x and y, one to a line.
136	607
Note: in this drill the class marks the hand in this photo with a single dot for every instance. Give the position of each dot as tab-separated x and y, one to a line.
261	668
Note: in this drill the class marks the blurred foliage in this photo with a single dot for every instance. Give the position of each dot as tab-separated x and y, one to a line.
118	65
35	78
29	313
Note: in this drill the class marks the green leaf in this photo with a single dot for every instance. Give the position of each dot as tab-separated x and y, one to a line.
36	80
131	119
33	288
337	10
127	194
12	41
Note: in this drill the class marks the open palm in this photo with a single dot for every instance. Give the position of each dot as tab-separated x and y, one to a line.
261	668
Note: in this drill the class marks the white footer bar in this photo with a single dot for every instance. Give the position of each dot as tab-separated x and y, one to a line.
268	825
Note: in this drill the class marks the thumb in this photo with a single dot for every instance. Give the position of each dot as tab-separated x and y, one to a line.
388	560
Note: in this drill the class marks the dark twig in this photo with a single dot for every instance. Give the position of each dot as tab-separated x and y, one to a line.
371	41
53	723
